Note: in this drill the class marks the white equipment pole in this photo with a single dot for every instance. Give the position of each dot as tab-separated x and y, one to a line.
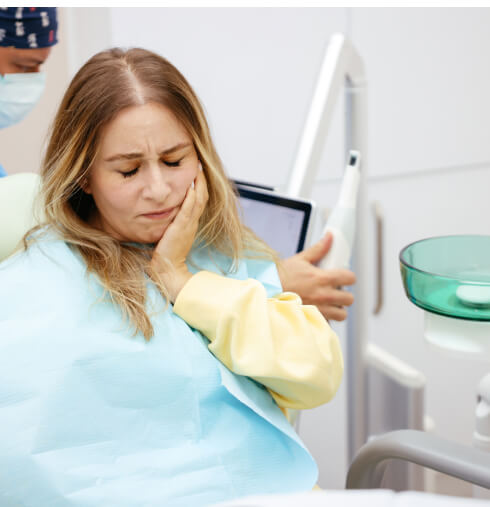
342	67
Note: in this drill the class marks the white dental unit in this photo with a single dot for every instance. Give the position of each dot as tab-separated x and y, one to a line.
449	278
399	389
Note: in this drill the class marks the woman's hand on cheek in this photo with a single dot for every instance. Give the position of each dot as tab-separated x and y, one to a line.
173	248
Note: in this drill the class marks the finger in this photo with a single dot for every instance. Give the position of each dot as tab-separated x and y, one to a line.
201	196
201	189
334	313
187	207
340	277
339	298
318	251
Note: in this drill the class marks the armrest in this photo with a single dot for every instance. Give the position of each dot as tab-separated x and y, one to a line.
450	458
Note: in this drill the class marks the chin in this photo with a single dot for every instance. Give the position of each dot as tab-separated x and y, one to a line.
153	236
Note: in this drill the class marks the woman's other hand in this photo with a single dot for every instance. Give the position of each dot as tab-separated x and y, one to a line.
170	254
316	286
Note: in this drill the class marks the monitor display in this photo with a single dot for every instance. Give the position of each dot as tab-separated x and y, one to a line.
280	221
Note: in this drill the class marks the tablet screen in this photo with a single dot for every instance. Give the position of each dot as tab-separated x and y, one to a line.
280	221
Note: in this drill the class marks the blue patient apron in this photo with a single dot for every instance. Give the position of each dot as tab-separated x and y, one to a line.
91	416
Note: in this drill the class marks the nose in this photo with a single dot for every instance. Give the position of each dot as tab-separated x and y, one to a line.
156	185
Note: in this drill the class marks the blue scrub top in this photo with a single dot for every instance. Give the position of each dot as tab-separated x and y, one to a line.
2	171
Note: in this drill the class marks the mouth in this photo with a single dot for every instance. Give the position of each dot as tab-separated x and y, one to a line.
159	214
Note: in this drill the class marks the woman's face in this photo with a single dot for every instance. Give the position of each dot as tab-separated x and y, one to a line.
139	179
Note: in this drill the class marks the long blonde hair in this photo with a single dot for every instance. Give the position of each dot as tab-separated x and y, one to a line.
109	82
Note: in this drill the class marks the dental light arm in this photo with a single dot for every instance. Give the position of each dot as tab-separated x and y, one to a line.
341	62
342	70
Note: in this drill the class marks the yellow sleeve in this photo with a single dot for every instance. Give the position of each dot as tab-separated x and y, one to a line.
286	346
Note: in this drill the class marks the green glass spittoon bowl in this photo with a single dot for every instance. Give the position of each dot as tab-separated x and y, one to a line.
449	275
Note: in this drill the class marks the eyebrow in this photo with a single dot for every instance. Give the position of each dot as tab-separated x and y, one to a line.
133	156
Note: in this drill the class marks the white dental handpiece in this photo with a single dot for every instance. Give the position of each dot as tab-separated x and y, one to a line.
342	221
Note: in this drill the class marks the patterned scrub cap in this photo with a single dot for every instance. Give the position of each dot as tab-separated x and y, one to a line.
28	27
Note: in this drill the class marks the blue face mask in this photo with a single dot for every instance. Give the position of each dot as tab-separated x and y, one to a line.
19	93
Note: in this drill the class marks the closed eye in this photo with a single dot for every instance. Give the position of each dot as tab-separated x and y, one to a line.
173	164
128	174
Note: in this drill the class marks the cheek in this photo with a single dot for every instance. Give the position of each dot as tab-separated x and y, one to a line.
114	198
185	179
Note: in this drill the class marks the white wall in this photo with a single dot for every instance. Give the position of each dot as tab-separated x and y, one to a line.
429	155
253	69
429	78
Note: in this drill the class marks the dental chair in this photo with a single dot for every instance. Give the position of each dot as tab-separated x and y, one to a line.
17	216
421	448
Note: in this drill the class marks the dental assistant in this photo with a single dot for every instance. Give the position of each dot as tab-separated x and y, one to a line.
26	37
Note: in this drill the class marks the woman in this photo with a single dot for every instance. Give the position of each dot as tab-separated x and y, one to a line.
147	349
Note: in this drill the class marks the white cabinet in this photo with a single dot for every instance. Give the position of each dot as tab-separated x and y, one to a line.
428	78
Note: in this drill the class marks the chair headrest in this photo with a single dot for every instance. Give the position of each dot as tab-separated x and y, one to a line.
17	197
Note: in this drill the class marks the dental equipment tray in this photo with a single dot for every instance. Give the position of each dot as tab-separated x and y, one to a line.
449	275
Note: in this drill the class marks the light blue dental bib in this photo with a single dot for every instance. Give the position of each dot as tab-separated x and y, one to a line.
91	416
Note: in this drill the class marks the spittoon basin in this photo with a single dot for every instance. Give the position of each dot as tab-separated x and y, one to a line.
449	275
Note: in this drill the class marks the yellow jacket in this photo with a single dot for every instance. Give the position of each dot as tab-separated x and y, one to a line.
284	345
